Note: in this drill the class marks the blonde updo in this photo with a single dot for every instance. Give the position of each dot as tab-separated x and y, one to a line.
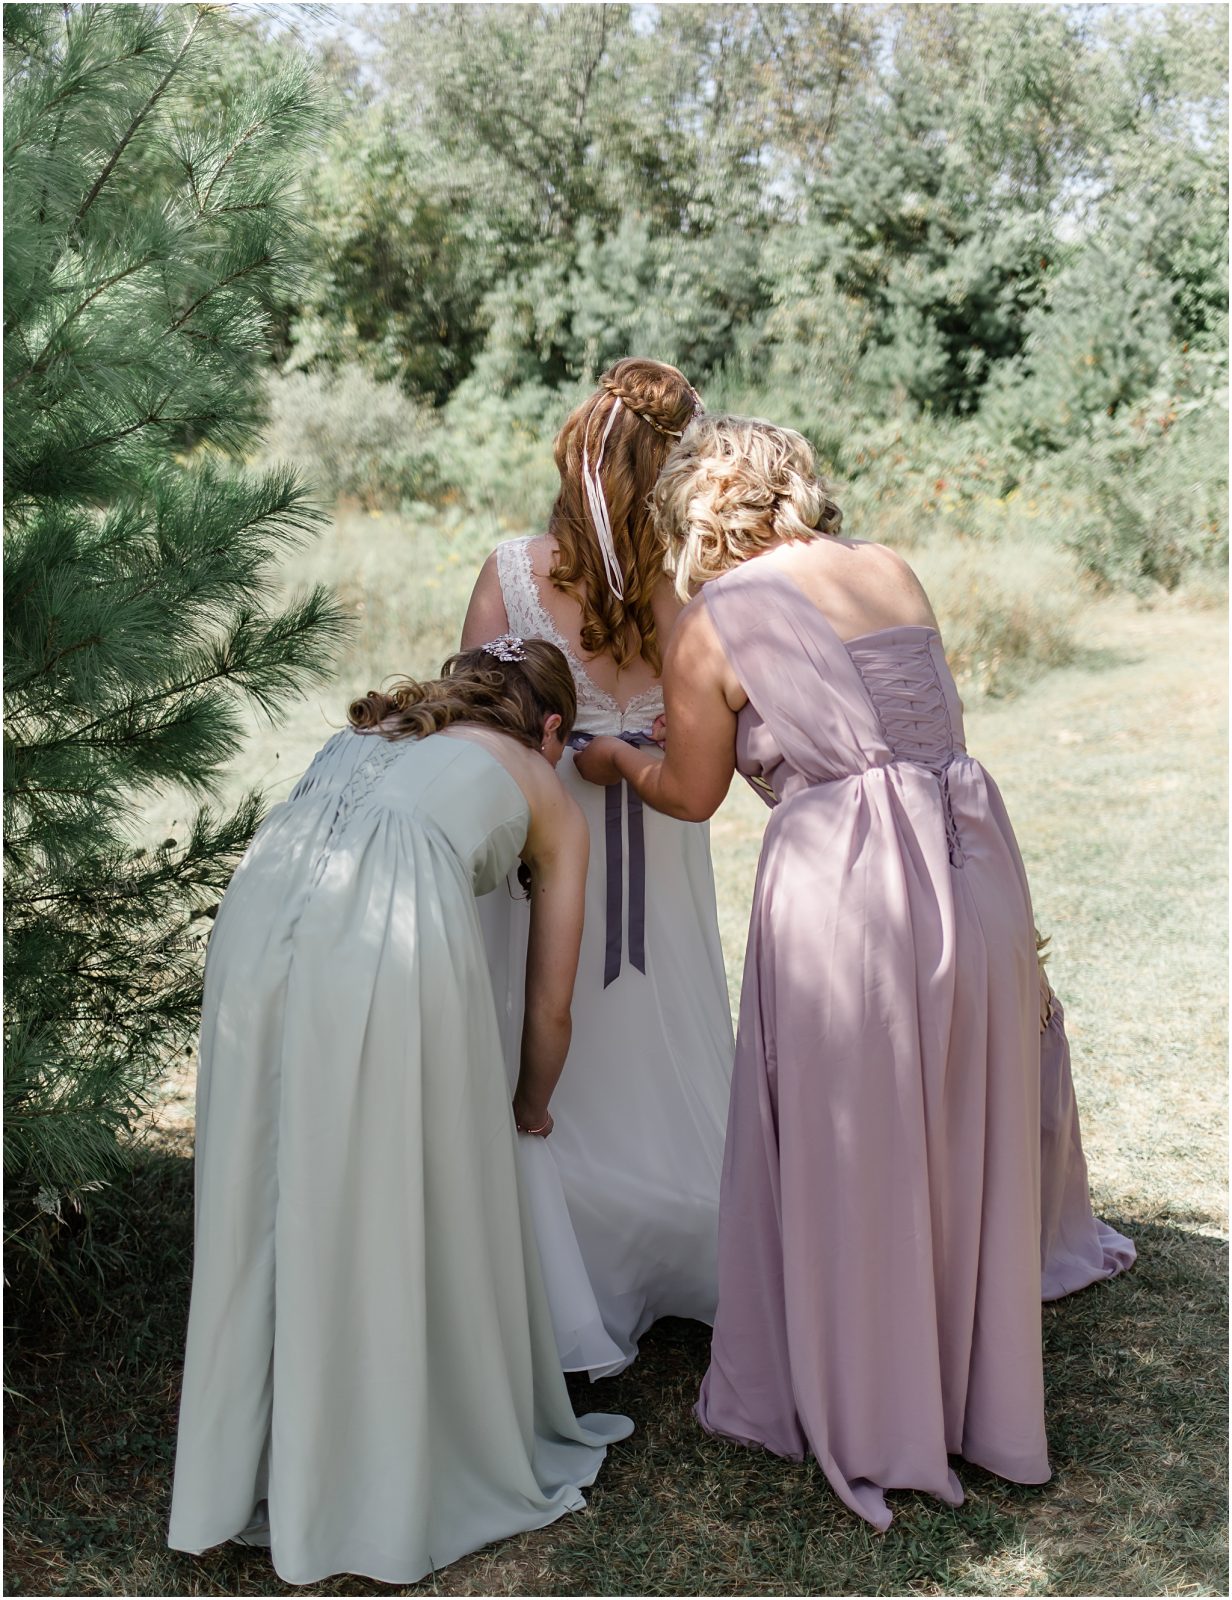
731	488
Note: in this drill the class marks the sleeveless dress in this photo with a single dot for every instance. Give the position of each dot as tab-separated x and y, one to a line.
630	1232
371	1383
1077	1248
879	1255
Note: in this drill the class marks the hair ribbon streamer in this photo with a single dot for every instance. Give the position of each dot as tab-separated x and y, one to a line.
599	514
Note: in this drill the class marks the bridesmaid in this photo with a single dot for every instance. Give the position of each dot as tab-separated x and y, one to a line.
371	1383
879	1253
631	1232
1077	1248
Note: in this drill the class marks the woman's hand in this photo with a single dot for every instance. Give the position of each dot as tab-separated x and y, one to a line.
532	1119
596	761
689	778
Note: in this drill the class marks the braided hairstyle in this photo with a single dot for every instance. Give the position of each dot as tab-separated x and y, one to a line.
657	403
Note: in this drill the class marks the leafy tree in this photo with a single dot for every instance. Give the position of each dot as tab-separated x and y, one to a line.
1141	278
139	607
400	276
932	226
540	188
1006	224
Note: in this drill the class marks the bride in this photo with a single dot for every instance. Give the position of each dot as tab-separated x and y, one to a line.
641	1111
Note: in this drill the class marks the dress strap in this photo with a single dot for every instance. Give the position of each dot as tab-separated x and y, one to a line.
518	591
796	672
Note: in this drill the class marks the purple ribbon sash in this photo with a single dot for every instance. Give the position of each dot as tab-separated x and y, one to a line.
618	801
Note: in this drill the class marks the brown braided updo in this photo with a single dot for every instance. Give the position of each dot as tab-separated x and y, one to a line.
633	400
657	404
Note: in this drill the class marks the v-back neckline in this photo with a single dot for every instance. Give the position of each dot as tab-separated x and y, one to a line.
549	631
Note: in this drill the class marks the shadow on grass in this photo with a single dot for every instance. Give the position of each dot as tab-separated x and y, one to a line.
1137	1423
1103	658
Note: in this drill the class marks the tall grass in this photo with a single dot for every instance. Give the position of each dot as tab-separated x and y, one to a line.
1009	612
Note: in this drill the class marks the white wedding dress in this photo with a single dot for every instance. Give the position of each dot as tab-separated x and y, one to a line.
625	1192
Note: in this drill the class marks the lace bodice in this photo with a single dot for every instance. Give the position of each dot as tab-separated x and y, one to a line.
598	711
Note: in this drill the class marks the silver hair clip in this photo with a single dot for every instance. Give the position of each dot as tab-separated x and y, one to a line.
509	647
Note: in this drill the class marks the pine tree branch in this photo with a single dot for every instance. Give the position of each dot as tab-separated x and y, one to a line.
147	421
71	89
249	132
55	140
45	357
160	90
264	260
226	670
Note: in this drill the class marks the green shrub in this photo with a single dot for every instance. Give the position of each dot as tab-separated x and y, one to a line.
1156	495
353	436
495	449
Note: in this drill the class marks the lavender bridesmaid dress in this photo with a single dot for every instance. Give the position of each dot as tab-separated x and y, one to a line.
879	1234
1077	1248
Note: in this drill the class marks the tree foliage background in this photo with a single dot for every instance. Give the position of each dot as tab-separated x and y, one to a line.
977	244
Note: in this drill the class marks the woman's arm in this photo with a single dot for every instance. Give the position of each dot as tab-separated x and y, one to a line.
701	696
485	616
557	850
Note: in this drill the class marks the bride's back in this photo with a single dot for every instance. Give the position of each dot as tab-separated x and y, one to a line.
594	582
623	684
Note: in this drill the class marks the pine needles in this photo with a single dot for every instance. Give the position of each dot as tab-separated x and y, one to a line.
147	247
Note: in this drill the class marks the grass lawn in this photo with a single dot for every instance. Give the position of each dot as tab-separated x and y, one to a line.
1113	769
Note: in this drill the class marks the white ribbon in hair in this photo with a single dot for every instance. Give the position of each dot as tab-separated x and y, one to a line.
599	514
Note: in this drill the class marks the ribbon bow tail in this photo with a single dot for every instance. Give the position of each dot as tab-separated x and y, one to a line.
619	802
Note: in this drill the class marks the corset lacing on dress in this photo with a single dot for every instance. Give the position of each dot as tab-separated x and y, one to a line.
356	789
915	716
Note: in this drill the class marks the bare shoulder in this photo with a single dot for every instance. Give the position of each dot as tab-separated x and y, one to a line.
694	631
895	573
535	776
519	760
558	829
489	571
887	558
695	654
485	614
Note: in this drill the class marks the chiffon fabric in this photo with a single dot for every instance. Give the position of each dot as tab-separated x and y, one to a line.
1077	1248
371	1382
879	1252
626	1190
